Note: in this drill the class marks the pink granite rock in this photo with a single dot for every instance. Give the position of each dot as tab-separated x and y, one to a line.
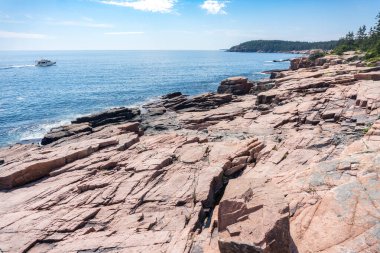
292	169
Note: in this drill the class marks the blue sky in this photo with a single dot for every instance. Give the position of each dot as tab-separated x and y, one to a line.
174	24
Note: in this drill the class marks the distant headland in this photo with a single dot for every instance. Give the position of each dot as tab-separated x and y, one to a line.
278	46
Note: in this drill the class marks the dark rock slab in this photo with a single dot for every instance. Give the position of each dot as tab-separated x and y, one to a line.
172	102
65	131
275	75
115	115
87	123
203	102
172	95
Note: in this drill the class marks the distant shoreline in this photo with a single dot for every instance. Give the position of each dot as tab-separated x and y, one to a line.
282	46
302	52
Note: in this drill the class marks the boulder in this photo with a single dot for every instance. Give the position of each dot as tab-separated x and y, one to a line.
235	85
298	63
320	61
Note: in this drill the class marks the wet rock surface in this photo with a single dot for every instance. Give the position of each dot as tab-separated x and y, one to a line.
292	169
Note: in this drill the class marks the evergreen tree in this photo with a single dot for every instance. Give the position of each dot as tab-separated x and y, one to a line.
350	36
377	25
371	32
361	34
350	39
370	44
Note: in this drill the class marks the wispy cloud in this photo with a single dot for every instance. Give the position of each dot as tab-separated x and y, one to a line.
88	19
4	18
21	35
214	6
163	6
123	33
84	22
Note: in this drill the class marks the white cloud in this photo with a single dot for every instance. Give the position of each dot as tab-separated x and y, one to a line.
163	6
214	6
85	22
18	35
123	33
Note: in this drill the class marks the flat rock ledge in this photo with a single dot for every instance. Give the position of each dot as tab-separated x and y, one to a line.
290	165
85	124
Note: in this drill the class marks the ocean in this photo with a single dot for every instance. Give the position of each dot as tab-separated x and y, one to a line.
35	99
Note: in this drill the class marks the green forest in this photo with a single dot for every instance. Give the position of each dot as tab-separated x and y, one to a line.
365	40
273	46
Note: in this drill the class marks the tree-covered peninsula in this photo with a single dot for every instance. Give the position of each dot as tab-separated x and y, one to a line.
274	46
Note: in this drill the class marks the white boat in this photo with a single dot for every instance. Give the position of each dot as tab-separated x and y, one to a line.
44	63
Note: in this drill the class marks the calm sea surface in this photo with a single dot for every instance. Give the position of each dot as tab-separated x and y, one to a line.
33	99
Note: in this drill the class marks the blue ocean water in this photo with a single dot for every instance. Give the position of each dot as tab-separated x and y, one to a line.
35	99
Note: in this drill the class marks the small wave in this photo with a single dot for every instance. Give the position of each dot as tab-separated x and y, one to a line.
268	61
146	101
260	73
38	132
18	66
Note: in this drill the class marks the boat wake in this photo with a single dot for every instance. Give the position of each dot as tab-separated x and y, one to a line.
18	66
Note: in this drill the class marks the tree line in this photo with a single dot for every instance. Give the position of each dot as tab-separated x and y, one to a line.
273	46
366	40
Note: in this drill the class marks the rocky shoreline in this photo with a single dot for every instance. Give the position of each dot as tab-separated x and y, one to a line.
286	164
